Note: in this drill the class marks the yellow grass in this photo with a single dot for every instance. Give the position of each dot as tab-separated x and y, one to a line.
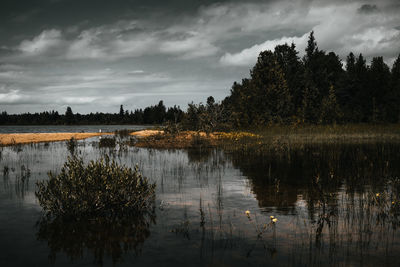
146	133
275	136
26	138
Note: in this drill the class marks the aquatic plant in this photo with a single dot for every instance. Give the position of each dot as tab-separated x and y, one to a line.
6	170
102	187
123	133
71	145
107	142
199	141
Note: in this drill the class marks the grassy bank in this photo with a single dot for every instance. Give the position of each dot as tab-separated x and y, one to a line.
276	136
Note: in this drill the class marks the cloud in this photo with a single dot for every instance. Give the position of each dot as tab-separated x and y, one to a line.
338	28
193	46
191	37
41	44
371	40
11	96
85	47
249	55
11	67
367	9
123	39
79	87
99	62
77	100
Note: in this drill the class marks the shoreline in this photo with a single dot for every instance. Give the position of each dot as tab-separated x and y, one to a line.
159	139
8	139
29	138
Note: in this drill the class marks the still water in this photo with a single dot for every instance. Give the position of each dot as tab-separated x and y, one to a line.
335	205
67	128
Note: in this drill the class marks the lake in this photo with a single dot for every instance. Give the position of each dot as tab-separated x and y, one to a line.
335	204
67	128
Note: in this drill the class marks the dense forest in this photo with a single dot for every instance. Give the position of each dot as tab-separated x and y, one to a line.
315	89
282	88
156	114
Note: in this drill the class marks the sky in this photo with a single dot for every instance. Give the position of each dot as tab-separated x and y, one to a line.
95	55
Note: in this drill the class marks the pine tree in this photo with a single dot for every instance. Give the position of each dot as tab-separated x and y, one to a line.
330	110
347	90
121	113
311	48
293	69
270	91
311	100
310	111
393	98
378	90
69	116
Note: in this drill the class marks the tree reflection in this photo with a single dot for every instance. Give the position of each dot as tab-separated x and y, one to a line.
101	236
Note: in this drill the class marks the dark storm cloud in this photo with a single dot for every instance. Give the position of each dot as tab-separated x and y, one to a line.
367	9
95	55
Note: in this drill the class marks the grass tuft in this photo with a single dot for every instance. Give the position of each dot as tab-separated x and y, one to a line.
100	188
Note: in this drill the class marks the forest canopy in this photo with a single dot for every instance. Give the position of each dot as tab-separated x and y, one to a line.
316	89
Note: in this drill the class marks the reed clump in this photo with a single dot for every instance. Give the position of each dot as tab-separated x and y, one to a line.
71	145
123	133
107	142
100	188
182	140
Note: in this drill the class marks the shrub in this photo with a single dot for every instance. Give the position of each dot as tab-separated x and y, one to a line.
172	128
100	188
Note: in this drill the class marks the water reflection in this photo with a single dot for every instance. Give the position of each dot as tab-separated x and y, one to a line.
101	236
348	192
315	172
325	199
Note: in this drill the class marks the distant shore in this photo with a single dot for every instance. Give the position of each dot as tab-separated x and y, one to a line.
269	136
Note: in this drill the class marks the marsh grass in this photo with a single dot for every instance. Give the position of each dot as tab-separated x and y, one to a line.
108	142
276	137
285	138
6	171
123	133
181	141
71	145
22	182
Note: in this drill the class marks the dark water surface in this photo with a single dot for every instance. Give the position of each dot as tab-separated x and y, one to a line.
66	128
335	205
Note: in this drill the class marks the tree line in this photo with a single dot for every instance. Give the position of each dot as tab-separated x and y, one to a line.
282	88
157	114
316	89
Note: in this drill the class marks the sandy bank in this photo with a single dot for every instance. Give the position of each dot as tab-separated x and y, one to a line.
26	138
146	133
